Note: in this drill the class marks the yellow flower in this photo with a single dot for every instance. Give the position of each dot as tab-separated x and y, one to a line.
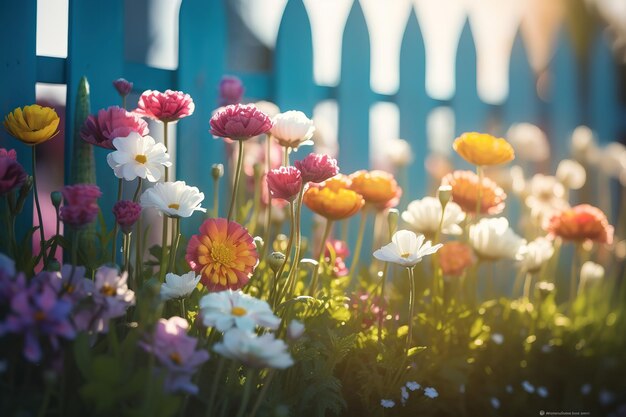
483	149
32	124
333	199
378	188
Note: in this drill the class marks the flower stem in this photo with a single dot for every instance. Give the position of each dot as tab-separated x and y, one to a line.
409	336
124	102
216	198
268	210
261	397
174	246
216	383
573	277
126	250
137	190
247	389
116	228
527	283
237	177
293	272
381	315
165	139
359	244
286	157
479	199
292	227
163	261
42	235
320	257
183	310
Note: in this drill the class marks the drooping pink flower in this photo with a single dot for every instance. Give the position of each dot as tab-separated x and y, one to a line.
169	106
110	123
240	122
317	168
284	182
341	252
123	86
231	90
79	204
126	214
12	174
8	153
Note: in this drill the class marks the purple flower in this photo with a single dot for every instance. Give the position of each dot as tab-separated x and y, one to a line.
79	204
110	123
231	90
39	315
12	174
123	86
176	354
126	214
110	298
8	153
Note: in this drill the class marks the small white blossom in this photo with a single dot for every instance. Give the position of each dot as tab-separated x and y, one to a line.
254	351
529	142
497	338
590	273
138	156
533	255
292	129
571	174
227	309
174	199
528	387
493	239
542	392
495	403
398	152
413	386
404	395
387	403
179	286
430	392
423	216
406	249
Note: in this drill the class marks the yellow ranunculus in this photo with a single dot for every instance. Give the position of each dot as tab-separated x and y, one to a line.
32	124
483	149
378	188
333	199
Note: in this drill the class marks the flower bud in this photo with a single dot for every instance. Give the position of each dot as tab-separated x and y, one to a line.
56	197
275	260
544	289
24	192
590	274
258	242
392	220
123	86
444	193
54	265
217	171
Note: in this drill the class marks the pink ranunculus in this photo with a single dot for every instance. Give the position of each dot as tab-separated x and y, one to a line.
12	174
126	214
169	106
240	122
123	86
108	124
284	182
317	168
79	204
9	153
231	90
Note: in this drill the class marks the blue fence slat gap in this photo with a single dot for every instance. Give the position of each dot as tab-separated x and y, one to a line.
51	70
605	107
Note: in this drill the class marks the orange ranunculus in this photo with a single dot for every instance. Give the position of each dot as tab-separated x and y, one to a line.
454	257
483	149
333	198
32	124
378	188
465	192
582	222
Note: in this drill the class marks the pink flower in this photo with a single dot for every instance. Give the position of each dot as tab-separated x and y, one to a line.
9	153
240	122
166	107
126	214
284	182
108	124
231	90
341	252
317	168
79	204
123	86
12	174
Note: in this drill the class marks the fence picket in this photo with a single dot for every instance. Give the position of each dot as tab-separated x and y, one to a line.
522	104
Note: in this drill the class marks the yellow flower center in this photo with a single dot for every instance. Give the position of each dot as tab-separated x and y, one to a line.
222	254
175	357
174	206
238	311
142	159
108	290
405	255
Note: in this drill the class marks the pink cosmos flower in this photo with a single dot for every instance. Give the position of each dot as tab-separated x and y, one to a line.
79	204
126	214
169	106
9	153
108	124
240	122
284	182
317	168
12	174
231	90
123	86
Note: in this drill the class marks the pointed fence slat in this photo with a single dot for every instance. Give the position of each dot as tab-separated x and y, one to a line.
522	104
605	109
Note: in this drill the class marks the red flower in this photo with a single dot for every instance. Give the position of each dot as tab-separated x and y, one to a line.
169	106
284	182
240	122
582	222
317	168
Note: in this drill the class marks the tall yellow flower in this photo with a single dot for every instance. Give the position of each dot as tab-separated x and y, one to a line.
333	199
32	124
378	188
483	149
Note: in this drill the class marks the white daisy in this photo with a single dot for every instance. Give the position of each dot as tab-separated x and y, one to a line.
179	286
292	129
493	239
406	249
423	216
138	156
532	256
174	199
255	351
430	392
387	403
227	309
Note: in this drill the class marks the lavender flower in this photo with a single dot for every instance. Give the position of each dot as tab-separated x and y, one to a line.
176	354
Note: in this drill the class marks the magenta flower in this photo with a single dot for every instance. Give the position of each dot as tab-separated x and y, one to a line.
317	168
176	354
39	315
166	107
126	214
10	153
12	174
341	252
110	123
123	86
79	204
231	90
240	122
284	182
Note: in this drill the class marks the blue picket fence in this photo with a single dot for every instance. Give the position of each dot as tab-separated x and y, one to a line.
579	94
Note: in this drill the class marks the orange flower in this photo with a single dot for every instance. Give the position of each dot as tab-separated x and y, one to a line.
378	188
333	198
465	192
454	257
483	149
580	223
223	253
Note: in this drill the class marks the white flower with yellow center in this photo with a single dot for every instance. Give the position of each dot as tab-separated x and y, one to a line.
406	249
532	256
227	309
493	239
423	216
138	156
292	129
179	286
174	199
255	351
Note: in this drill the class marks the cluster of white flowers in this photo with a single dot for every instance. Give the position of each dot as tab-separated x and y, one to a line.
405	390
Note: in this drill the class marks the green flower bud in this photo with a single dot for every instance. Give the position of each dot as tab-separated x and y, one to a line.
275	260
258	242
392	220
56	197
217	171
444	193
54	265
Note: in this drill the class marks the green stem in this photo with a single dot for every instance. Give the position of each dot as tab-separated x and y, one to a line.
292	278
527	284
116	228
215	386
383	279
165	140
124	102
137	190
292	227
517	284
183	310
573	277
247	390
359	244
216	197
262	394
268	210
256	204
479	172
286	157
42	234
320	257
409	336
236	184
164	258
174	246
